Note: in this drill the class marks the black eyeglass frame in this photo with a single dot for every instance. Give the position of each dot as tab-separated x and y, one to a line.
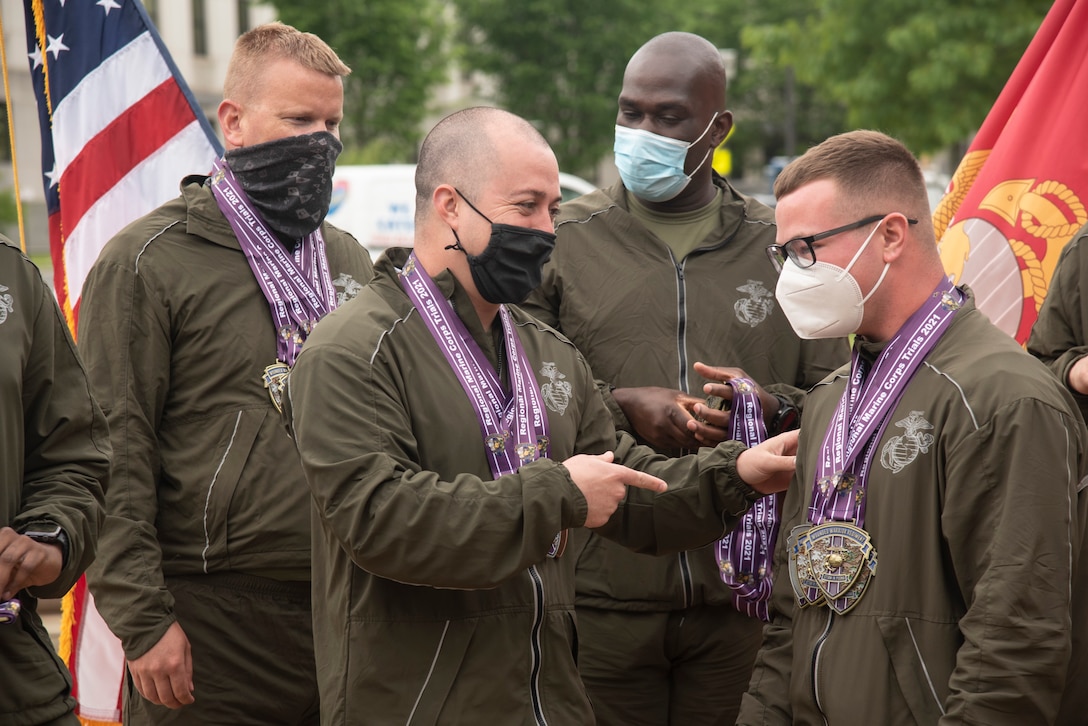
778	254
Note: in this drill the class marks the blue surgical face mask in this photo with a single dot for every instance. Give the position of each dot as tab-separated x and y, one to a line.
652	166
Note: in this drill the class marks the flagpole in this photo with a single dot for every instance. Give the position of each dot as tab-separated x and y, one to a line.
11	137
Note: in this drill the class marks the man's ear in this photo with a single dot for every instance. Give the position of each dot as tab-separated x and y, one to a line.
721	127
230	121
446	204
895	236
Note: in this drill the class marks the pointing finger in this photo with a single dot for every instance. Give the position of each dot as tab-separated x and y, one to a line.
642	480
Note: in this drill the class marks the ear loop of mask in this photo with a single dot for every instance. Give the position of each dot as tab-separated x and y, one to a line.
457	245
850	265
708	151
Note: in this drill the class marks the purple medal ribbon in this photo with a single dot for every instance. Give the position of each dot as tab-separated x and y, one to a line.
864	411
298	287
515	425
744	555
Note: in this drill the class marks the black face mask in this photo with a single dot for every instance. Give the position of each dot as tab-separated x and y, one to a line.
510	266
289	181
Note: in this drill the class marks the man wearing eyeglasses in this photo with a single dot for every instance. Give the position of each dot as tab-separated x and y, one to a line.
934	533
650	277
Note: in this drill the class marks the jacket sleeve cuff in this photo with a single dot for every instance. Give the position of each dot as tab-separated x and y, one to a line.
619	418
139	644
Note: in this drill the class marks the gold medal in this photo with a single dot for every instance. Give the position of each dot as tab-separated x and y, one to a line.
804	584
525	452
275	380
842	559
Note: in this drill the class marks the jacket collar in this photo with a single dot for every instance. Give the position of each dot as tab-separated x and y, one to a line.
394	259
735	210
203	217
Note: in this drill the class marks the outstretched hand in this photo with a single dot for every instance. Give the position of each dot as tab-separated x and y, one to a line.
1078	376
604	484
769	466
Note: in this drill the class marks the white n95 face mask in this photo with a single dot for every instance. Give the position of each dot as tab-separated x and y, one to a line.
824	301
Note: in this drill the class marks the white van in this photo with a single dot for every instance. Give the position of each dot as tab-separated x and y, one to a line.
377	203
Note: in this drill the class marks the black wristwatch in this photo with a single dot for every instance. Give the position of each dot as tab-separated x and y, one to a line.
786	418
50	535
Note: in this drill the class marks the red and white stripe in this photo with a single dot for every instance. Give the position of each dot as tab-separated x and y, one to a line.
120	139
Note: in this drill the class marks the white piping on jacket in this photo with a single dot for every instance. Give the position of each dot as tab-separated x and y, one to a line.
208	499
924	669
430	672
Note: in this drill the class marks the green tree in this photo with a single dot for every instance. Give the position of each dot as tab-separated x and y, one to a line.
924	72
559	63
397	53
774	112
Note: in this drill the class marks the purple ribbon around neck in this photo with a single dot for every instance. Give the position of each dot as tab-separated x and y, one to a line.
514	426
745	554
864	411
298	287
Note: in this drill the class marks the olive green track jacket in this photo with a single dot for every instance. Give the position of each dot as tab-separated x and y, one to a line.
435	602
176	334
643	318
54	468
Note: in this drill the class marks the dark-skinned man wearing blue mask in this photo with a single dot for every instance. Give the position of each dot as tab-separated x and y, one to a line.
650	278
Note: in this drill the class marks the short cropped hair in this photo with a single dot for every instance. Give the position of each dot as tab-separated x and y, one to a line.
460	150
876	174
257	47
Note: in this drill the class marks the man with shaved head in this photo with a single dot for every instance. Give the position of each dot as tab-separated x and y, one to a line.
451	442
649	276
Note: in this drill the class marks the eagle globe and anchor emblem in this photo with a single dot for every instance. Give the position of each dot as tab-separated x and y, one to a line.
899	451
755	308
557	391
1009	249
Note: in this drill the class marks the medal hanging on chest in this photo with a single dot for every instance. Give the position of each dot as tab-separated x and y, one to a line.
833	559
298	286
514	426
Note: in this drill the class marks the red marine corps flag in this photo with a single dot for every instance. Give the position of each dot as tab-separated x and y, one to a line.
1020	192
119	130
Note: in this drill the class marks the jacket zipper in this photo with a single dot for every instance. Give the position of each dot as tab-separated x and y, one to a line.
682	384
681	325
816	664
538	622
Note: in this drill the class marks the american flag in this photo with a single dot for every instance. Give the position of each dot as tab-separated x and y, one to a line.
119	127
119	130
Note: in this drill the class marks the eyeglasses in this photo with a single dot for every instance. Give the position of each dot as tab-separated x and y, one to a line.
800	250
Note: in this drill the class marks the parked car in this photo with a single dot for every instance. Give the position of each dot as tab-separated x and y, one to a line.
376	203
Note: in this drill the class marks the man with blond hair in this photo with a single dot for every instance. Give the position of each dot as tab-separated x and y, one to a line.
190	320
934	535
